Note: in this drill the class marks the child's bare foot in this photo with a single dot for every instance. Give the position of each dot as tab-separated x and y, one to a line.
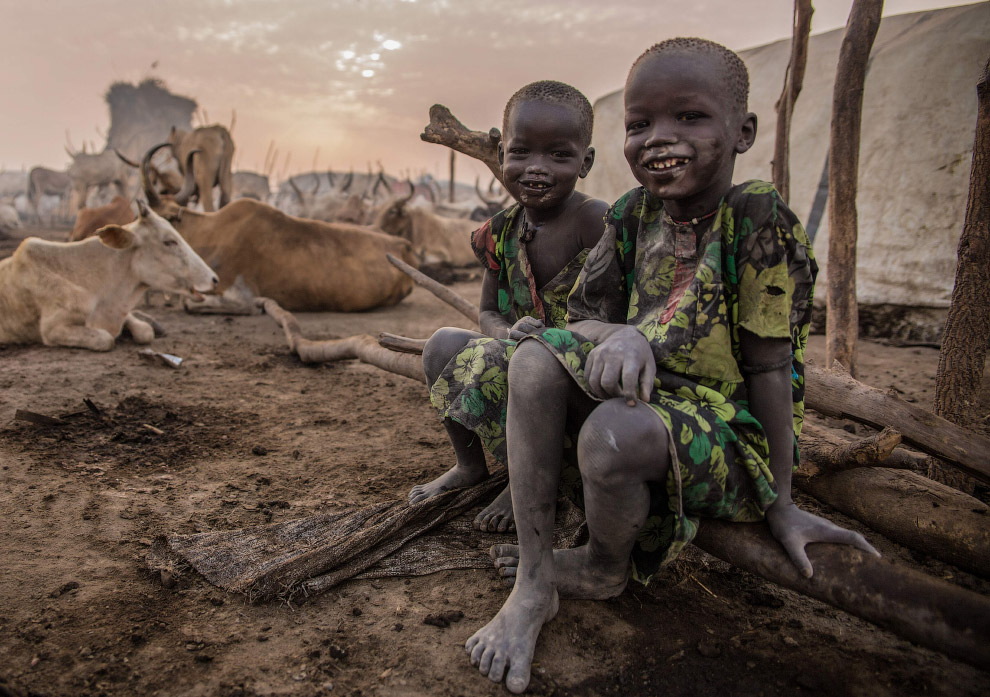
577	576
497	516
505	645
454	478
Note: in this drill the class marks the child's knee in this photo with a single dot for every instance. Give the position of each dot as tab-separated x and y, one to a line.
445	343
533	366
619	442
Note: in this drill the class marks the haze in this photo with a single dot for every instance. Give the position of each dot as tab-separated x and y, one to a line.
340	83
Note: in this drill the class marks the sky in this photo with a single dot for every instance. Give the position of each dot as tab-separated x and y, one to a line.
340	83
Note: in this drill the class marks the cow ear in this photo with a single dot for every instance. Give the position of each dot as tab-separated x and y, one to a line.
116	237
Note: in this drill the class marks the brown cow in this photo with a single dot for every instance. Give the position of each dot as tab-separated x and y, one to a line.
82	294
436	239
304	265
89	220
211	167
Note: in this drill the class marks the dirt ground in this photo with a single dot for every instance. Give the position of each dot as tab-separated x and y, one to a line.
242	433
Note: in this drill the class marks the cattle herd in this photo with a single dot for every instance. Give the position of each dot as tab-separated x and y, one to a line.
181	221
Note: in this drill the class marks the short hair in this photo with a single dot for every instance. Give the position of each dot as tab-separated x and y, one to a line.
553	92
734	70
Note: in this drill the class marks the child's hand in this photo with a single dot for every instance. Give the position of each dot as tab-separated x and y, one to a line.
622	366
795	528
524	327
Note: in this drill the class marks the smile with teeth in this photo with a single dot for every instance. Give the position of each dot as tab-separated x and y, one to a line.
536	185
666	163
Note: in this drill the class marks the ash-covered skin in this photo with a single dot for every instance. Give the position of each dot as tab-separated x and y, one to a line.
682	136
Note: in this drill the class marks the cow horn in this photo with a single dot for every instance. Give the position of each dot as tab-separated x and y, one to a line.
127	162
316	186
69	152
295	187
189	183
431	194
405	199
347	182
154	200
477	189
330	177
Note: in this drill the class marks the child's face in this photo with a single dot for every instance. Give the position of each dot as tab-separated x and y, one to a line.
542	154
683	131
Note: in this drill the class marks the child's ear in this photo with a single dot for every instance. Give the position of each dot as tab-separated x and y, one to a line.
501	153
589	160
747	133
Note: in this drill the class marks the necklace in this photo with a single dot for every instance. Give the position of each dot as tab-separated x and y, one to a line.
528	231
693	221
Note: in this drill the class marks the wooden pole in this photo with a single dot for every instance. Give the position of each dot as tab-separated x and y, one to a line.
450	194
967	328
793	81
842	321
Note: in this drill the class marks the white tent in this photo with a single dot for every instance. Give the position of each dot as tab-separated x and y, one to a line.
919	118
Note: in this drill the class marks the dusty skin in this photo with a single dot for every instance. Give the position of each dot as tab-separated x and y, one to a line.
80	615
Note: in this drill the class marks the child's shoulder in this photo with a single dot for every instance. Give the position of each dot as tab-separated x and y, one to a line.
758	201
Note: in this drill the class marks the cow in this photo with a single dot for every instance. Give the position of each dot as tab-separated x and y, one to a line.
165	174
304	265
82	294
47	182
211	167
90	220
9	220
89	170
250	185
436	240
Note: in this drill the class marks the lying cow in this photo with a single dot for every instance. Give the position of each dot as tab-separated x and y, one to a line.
304	265
89	220
82	294
436	239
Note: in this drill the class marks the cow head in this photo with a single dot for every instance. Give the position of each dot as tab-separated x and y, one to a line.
394	218
167	208
161	259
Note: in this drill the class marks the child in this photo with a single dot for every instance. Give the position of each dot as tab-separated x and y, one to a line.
682	361
533	252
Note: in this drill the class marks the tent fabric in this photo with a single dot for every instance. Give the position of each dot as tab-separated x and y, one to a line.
919	119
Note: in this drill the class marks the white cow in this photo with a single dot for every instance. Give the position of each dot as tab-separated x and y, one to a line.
82	293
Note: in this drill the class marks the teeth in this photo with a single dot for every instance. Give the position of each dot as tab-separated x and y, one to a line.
666	164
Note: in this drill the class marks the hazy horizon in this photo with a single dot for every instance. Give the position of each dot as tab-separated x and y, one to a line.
340	83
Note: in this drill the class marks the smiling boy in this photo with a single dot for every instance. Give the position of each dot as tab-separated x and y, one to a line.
533	252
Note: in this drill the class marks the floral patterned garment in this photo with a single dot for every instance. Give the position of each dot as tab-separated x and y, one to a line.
473	388
753	268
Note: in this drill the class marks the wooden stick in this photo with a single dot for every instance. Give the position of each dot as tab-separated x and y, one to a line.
912	510
821	451
921	608
35	418
444	129
836	393
793	81
403	344
842	320
465	307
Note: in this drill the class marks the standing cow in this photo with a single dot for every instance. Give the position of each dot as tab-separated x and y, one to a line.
210	167
47	182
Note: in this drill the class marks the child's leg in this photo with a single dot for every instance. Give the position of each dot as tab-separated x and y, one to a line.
620	448
540	393
469	468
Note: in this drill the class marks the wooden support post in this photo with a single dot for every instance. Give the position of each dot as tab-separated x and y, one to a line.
450	188
842	321
793	81
967	328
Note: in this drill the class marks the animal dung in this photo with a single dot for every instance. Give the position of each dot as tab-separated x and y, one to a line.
166	359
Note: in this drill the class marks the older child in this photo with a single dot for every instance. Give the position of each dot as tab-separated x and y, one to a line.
682	360
533	252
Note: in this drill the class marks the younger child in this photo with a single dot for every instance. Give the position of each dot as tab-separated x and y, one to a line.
682	362
533	252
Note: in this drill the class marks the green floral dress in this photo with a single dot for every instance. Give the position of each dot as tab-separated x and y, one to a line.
689	295
473	388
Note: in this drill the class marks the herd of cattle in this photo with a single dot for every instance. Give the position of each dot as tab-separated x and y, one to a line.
321	248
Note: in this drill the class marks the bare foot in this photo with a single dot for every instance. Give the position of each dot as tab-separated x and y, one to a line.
497	516
454	478
505	645
577	575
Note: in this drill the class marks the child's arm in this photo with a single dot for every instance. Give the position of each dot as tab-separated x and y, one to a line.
770	403
622	363
490	319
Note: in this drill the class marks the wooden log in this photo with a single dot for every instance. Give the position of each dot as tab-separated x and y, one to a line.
402	344
823	452
362	347
912	510
920	608
842	320
836	393
444	129
36	418
465	307
963	353
793	81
